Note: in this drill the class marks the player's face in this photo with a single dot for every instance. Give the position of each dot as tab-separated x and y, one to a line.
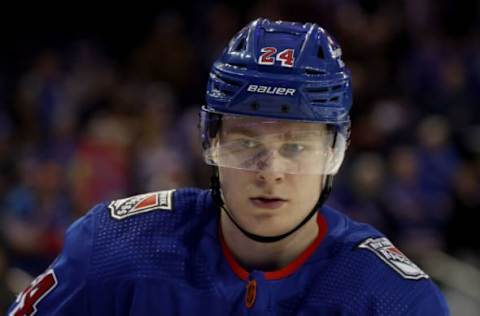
269	201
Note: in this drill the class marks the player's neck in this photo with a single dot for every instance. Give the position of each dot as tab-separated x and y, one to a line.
253	255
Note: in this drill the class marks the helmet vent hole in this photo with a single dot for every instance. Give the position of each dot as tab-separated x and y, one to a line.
320	53
310	71
230	82
241	45
334	99
318	90
285	108
227	92
238	66
255	106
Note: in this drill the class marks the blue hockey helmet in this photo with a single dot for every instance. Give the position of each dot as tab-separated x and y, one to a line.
283	71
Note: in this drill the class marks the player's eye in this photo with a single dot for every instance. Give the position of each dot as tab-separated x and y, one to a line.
291	149
249	143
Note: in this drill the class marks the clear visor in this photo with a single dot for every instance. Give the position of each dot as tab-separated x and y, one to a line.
257	144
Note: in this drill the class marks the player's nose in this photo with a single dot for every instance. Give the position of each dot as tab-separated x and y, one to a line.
270	177
271	169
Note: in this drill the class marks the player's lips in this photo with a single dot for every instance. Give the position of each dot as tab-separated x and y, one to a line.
268	202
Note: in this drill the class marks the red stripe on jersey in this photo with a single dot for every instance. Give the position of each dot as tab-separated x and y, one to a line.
150	201
234	265
307	253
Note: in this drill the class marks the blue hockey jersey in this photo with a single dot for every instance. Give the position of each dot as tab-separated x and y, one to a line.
162	253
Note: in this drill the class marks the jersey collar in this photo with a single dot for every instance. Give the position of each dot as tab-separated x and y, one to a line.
285	271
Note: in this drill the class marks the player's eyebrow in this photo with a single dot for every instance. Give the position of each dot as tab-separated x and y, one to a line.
292	136
285	135
240	130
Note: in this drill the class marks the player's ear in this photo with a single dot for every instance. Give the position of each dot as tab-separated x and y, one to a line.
215	140
215	148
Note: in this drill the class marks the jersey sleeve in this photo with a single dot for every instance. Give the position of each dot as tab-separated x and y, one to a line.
60	290
432	303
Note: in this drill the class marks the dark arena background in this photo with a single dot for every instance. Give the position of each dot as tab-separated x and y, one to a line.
99	103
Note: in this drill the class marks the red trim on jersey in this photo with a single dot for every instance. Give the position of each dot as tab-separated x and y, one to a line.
297	263
236	267
290	268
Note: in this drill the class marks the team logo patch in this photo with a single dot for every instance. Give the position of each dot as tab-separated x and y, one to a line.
389	254
161	200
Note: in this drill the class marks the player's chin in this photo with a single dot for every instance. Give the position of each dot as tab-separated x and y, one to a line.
273	229
266	223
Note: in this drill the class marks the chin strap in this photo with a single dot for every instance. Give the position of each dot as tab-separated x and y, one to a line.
217	198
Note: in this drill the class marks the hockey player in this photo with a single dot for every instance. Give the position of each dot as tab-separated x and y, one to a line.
275	128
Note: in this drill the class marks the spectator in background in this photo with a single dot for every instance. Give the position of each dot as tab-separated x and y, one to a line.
187	142
101	164
463	229
7	161
419	220
159	162
6	294
438	159
36	213
363	199
167	55
39	99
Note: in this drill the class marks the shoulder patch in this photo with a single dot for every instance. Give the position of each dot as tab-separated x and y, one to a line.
385	250
161	200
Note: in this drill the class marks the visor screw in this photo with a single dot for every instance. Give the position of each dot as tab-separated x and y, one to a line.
255	106
285	108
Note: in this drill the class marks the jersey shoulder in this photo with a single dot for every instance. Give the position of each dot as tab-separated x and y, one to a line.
368	274
362	242
147	234
114	246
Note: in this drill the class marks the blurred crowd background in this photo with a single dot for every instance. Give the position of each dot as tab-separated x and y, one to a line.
99	104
